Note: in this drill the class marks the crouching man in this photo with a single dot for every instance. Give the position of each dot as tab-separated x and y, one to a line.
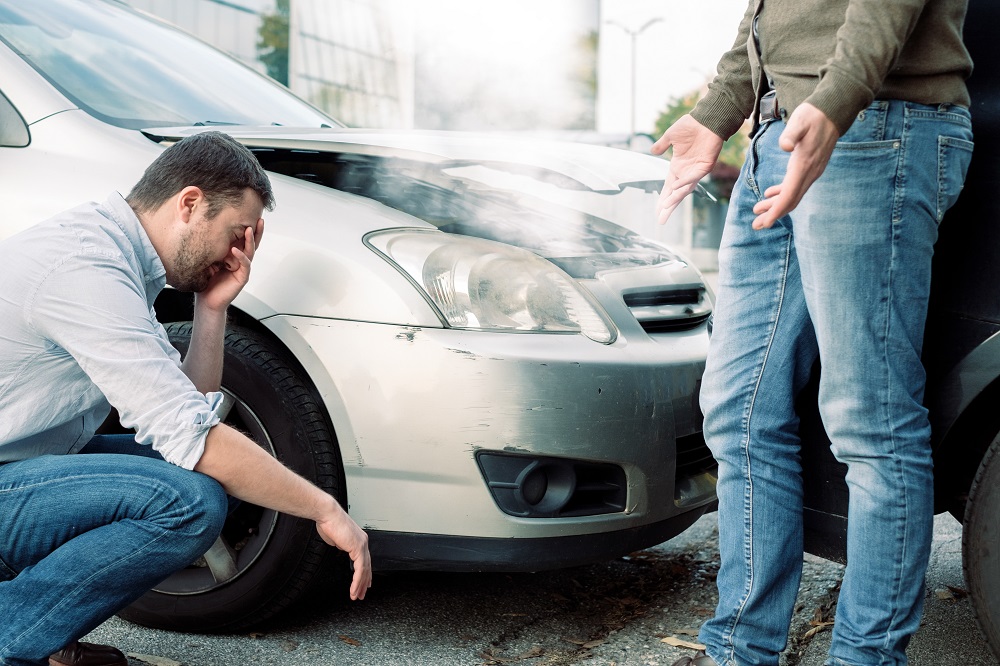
85	528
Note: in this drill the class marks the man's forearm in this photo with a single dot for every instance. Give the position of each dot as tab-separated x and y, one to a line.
203	361
249	473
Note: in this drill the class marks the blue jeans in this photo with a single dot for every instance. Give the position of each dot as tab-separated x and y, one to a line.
845	278
82	536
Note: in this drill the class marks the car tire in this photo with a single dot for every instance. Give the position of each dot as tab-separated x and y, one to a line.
264	561
981	545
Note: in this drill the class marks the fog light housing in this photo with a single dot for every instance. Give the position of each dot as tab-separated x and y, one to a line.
544	487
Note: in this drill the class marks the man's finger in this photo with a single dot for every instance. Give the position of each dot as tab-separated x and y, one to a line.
763	206
767	220
791	136
362	576
358	586
773	208
249	244
258	232
666	206
242	258
661	145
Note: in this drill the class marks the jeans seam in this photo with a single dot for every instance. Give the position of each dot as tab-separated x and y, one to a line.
731	656
881	124
942	158
899	197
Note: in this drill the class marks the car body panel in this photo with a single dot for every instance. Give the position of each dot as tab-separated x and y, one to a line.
34	102
412	467
412	402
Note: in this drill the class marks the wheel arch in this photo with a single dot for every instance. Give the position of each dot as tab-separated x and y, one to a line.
965	417
174	306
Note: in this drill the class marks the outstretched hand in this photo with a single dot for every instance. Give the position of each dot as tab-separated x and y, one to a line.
810	137
696	150
343	533
229	281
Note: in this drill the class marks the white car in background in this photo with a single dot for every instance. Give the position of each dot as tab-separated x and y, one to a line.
448	332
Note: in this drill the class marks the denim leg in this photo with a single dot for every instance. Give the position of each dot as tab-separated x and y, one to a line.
865	233
760	354
82	536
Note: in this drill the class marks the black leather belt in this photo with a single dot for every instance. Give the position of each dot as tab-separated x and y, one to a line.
768	109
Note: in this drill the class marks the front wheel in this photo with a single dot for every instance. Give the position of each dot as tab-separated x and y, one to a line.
981	545
264	561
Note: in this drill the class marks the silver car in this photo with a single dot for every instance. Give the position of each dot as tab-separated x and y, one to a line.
453	334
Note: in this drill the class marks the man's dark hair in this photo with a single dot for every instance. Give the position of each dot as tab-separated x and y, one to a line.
214	162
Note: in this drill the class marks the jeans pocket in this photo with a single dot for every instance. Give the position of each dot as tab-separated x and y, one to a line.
954	155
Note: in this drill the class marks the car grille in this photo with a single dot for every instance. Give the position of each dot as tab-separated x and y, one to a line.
693	456
663	310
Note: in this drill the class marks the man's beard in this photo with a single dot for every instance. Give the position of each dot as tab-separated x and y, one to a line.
192	271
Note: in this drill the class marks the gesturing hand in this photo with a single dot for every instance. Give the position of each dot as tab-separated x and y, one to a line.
696	150
810	137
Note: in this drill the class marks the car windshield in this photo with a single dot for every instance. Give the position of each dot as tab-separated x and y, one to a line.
135	72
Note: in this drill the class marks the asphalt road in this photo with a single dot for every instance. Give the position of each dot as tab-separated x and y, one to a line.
611	614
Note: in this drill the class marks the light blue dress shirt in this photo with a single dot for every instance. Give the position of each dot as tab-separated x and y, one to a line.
78	331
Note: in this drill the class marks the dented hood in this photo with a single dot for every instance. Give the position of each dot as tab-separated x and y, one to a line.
579	166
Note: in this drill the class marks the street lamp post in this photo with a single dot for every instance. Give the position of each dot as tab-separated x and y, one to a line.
633	35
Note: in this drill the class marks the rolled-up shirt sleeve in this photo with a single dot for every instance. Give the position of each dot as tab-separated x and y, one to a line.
95	310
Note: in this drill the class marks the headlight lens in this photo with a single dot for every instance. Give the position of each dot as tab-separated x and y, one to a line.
480	284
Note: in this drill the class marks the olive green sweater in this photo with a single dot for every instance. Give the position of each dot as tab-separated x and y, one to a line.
840	55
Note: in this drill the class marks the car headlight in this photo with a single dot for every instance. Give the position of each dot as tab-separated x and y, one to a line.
481	284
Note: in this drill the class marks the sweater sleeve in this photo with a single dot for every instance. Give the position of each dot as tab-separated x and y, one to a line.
730	98
868	44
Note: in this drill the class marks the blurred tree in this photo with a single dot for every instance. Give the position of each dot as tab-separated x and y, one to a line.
585	75
272	42
733	150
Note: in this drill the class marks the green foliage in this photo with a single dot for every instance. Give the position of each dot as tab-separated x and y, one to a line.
584	75
272	42
589	45
733	151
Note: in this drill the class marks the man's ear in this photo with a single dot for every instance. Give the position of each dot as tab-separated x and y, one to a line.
187	200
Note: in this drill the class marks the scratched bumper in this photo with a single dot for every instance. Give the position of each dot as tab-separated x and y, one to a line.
412	406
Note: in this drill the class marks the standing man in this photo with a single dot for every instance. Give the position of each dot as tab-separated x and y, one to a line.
860	144
85	529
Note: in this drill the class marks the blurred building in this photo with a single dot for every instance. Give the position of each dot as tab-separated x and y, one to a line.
478	65
510	65
229	26
354	59
430	64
